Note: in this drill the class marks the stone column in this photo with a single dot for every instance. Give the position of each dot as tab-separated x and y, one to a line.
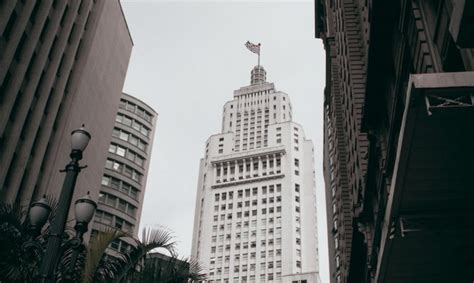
260	166
267	159
251	166
222	171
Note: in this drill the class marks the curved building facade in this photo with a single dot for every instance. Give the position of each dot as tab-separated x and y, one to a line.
123	183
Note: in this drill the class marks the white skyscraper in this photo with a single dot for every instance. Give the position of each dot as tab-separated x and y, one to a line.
255	218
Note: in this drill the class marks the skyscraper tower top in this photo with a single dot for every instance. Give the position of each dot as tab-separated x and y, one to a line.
258	75
255	218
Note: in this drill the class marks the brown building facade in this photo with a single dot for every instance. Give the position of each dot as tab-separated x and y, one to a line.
62	64
398	158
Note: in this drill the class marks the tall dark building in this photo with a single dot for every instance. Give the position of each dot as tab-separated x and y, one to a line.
398	136
126	169
62	64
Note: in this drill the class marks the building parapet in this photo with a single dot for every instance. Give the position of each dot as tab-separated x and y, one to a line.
253	88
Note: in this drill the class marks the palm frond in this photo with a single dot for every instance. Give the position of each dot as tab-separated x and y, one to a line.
12	214
151	239
158	238
53	204
161	268
16	265
96	253
196	270
71	265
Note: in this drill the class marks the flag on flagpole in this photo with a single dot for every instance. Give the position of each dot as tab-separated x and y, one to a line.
255	48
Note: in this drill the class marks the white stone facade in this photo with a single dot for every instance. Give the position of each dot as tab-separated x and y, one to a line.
255	218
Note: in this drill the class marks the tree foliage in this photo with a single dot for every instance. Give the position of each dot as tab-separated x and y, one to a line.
21	253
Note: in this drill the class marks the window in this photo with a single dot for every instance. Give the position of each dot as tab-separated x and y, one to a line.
120	151
144	131
127	121
114	183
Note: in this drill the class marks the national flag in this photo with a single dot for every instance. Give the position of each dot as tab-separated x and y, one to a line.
255	48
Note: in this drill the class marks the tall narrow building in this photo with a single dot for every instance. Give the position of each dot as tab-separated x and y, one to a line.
126	169
255	218
62	64
398	139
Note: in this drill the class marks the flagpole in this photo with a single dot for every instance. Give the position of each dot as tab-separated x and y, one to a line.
259	54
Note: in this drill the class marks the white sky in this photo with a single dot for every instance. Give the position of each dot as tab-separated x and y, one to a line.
188	58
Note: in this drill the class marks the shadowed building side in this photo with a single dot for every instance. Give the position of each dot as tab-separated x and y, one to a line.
402	71
63	64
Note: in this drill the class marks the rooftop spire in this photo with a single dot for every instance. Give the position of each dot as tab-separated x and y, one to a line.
258	75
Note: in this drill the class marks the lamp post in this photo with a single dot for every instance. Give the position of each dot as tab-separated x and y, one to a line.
85	208
38	216
79	140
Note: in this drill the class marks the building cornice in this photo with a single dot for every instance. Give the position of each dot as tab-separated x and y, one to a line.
248	154
247	181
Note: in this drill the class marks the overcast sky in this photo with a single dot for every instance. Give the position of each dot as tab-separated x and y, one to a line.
188	58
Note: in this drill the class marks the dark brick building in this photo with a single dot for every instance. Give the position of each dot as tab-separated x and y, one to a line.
399	130
62	64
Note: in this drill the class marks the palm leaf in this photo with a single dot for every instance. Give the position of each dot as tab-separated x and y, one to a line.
96	256
196	270
158	268
67	271
151	239
53	204
15	264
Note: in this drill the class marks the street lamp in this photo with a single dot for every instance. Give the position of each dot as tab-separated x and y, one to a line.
38	215
84	209
79	140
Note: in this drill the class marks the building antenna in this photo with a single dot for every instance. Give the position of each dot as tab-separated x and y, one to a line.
259	54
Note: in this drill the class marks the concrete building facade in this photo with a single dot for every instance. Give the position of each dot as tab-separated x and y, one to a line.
126	169
255	218
62	64
397	157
